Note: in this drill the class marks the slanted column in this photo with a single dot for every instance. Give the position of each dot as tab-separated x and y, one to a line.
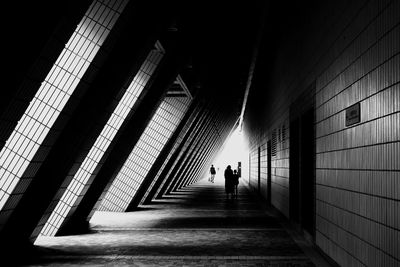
198	157
201	165
78	123
192	161
163	175
32	47
160	159
204	163
222	129
172	173
208	155
125	141
193	149
198	161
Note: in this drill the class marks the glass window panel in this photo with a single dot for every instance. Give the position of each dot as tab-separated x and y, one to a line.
144	154
103	141
47	104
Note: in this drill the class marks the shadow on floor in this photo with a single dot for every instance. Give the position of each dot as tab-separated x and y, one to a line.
196	226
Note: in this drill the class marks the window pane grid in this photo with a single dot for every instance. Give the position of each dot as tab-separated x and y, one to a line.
175	146
144	154
47	104
104	140
185	146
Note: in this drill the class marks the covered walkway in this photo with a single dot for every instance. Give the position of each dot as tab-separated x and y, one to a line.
195	226
112	113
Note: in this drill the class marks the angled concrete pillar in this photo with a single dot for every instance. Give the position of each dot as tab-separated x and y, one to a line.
171	174
161	158
203	164
199	161
199	156
193	149
183	155
33	46
219	138
183	151
174	156
222	129
158	179
125	140
79	124
195	157
202	168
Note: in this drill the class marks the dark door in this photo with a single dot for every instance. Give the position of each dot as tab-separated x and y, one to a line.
307	171
259	170
269	175
302	171
294	173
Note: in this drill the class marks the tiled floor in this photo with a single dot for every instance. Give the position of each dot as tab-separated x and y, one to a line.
196	226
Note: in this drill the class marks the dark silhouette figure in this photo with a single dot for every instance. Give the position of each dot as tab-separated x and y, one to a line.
228	181
212	172
235	181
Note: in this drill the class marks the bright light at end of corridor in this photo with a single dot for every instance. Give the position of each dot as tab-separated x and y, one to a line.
233	151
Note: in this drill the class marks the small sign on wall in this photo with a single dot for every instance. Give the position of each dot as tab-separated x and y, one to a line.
353	114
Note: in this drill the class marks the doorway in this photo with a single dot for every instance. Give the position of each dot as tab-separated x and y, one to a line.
259	170
269	175
302	164
307	171
294	174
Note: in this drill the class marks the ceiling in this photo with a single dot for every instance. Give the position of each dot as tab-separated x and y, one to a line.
220	40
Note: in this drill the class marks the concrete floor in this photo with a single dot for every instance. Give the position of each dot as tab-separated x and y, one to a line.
196	226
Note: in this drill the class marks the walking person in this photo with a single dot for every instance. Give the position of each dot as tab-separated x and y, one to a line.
212	172
235	181
228	174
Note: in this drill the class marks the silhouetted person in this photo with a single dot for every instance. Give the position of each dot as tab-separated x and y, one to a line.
235	181
212	172
228	181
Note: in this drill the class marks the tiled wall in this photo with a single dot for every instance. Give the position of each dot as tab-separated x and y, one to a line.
166	183
280	168
253	170
357	175
200	142
31	140
144	154
264	169
279	137
353	57
177	143
55	215
220	133
208	146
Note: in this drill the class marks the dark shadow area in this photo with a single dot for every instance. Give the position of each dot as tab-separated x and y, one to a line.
219	222
141	208
163	202
199	223
208	242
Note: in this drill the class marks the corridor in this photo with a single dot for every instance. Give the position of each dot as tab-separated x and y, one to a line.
112	113
195	226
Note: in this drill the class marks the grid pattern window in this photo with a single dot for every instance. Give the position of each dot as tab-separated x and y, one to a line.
200	159
54	92
146	151
176	145
103	141
184	148
192	159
